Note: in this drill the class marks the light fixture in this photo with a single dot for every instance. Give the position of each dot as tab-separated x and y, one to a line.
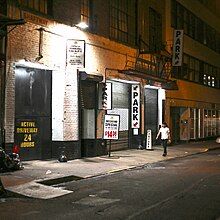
82	25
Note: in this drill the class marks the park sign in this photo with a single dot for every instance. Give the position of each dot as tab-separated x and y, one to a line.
105	96
111	127
135	106
177	48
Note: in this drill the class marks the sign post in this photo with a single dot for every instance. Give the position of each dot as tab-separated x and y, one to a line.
111	129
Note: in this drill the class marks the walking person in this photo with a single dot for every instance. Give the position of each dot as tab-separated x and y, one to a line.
164	131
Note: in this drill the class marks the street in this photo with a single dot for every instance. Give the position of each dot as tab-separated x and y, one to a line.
182	188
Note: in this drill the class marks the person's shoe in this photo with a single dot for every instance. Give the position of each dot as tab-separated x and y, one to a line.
164	155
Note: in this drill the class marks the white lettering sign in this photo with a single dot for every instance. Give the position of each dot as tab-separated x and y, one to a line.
149	140
135	106
105	96
75	54
111	127
177	48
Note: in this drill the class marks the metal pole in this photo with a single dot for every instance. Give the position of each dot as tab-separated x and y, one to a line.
110	146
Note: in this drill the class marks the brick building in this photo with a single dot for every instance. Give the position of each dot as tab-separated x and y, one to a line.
52	99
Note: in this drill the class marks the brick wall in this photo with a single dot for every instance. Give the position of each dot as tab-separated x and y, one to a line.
101	53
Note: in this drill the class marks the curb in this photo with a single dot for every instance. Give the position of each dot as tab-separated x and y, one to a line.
64	179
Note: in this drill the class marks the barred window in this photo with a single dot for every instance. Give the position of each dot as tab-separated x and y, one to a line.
122	21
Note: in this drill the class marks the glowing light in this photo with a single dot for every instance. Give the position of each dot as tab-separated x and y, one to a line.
82	25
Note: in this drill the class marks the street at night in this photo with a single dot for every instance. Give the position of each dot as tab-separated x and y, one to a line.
110	109
182	188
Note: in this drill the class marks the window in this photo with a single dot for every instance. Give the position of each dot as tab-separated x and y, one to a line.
155	30
85	11
194	27
3	8
35	5
197	71
122	21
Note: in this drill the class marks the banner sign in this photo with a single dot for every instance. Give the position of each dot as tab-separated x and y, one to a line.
177	48
135	106
111	127
75	54
105	96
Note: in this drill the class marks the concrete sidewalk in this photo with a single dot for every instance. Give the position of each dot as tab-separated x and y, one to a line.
26	181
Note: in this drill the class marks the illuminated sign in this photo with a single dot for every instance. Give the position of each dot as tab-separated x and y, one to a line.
135	106
27	131
75	54
105	96
177	48
111	127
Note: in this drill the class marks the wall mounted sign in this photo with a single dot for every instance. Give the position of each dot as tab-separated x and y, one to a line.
135	106
177	48
111	127
105	96
75	54
27	132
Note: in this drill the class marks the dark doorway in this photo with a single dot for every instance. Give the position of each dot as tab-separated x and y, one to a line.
175	123
88	97
33	125
151	111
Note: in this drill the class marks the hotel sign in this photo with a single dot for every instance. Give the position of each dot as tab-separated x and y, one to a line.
75	54
177	48
135	106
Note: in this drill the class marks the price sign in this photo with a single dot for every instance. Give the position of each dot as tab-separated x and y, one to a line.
111	127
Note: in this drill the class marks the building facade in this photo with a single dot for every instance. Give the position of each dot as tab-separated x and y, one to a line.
56	76
193	110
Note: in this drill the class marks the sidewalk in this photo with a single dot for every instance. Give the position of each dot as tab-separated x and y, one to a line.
26	181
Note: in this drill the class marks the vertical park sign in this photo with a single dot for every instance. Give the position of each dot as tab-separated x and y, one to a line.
135	106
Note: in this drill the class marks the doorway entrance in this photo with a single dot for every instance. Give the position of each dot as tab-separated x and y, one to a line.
151	111
33	126
175	123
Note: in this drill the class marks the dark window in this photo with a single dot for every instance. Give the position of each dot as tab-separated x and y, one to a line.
122	21
35	5
85	11
181	18
3	8
155	30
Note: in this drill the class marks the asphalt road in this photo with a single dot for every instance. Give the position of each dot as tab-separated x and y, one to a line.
187	188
